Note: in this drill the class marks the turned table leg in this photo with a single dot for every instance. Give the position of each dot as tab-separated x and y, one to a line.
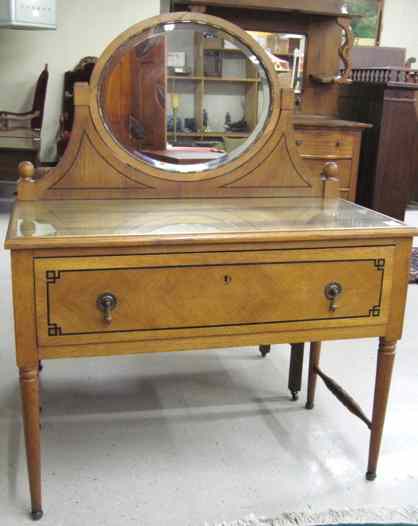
295	369
29	385
385	359
314	355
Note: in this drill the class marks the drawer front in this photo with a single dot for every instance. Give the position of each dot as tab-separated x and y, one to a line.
344	170
182	295
324	143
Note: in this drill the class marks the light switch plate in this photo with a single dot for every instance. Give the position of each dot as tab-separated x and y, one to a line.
28	14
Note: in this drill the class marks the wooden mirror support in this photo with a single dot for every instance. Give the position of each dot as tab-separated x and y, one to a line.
95	166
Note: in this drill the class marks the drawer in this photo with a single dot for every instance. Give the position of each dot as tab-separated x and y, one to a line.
325	143
344	169
204	294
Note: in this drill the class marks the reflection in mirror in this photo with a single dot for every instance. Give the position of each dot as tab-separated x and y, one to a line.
185	97
287	51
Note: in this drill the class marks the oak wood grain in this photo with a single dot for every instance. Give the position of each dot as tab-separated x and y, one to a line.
203	293
29	385
234	257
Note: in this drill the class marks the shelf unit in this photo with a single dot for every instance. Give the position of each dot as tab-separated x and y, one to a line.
209	135
212	79
201	84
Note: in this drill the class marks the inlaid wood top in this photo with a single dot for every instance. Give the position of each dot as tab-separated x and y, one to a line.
154	221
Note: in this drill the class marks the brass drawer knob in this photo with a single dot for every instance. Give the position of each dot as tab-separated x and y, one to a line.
332	291
106	302
299	142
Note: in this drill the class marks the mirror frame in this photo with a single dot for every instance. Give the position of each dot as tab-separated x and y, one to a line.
212	172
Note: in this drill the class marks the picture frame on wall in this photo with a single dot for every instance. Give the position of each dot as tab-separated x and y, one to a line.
367	21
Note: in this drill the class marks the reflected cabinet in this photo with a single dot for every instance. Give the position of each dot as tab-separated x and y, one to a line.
310	44
184	215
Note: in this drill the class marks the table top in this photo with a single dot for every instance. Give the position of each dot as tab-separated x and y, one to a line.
308	120
69	223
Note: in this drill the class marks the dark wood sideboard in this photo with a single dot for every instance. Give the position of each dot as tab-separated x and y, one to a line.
386	99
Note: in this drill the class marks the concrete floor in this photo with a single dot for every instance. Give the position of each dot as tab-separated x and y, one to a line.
185	439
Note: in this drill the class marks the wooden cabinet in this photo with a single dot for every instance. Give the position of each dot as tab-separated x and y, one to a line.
387	162
320	135
321	139
325	23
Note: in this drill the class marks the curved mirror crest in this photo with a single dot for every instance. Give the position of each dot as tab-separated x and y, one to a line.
184	97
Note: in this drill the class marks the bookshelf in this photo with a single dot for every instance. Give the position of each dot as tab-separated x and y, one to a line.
221	72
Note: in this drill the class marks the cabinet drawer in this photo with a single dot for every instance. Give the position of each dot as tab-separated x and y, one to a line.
161	296
324	143
344	170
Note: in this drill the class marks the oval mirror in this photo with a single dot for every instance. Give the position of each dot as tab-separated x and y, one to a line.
184	96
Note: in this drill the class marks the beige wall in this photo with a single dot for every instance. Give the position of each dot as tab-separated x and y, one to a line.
85	27
400	23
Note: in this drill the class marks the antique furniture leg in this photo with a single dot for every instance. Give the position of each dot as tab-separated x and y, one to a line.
385	361
29	384
314	355
295	369
264	350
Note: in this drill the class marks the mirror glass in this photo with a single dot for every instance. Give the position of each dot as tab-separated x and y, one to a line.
287	52
184	97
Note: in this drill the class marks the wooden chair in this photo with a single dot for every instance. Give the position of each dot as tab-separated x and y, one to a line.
20	136
13	125
81	73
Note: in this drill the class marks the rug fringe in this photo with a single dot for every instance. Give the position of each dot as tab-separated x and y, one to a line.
404	515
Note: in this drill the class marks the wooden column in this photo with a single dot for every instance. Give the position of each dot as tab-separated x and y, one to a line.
295	369
29	385
385	360
314	355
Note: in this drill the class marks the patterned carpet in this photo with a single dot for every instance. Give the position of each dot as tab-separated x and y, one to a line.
413	274
402	516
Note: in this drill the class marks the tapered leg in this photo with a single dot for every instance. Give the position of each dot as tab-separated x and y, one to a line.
314	355
264	350
29	385
385	359
296	368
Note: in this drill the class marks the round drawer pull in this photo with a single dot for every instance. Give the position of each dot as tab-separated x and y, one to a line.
338	144
106	302
299	142
227	279
332	291
330	171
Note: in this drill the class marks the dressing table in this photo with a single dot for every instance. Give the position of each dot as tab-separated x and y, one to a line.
116	251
